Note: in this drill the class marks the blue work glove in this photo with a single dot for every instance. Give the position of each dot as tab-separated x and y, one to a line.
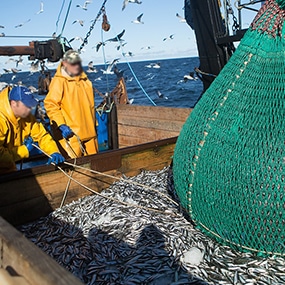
56	158
66	131
28	142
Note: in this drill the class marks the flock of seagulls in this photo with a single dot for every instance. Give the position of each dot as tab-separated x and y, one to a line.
111	68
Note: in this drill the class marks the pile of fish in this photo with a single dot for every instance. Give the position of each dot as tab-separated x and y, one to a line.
102	241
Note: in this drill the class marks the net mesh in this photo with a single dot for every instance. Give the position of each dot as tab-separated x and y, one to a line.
228	166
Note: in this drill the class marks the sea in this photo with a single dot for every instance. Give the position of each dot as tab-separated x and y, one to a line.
143	79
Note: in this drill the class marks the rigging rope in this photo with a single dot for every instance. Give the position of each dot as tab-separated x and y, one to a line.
116	178
104	57
66	17
59	15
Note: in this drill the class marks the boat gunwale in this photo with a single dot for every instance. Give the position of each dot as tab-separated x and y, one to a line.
43	169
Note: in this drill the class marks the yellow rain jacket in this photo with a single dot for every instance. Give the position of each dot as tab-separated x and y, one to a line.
70	101
13	132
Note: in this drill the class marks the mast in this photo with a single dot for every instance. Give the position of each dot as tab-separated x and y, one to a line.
214	44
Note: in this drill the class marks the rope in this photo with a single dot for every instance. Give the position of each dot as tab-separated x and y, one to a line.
66	17
59	15
67	187
197	70
105	62
107	197
124	180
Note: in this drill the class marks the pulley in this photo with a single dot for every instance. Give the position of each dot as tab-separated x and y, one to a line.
105	24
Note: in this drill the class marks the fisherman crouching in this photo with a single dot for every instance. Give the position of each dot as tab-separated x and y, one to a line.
19	130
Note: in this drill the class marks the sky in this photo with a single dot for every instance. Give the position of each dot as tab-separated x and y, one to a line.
159	17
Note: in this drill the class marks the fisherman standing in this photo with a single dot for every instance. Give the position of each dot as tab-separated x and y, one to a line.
19	130
70	105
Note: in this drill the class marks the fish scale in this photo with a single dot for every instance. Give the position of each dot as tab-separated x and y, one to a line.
105	242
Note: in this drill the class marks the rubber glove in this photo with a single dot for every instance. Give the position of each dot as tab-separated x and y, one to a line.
56	158
28	142
66	131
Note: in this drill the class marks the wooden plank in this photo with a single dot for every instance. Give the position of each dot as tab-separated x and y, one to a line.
163	113
29	261
152	159
143	135
168	125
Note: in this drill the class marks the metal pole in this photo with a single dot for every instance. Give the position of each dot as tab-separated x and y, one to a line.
239	15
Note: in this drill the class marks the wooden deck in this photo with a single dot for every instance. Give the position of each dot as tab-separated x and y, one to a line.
142	124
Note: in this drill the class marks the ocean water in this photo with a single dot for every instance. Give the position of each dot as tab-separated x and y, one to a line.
168	80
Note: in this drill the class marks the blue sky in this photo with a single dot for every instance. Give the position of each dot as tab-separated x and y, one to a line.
159	22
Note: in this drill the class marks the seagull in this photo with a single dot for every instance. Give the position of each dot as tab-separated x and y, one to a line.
159	94
150	78
2	27
13	77
110	67
189	76
99	45
2	35
182	20
77	38
84	6
98	79
10	60
54	36
128	54
118	47
34	67
41	9
15	70
19	61
147	48
126	2
118	38
91	68
80	22
22	24
6	70
156	65
171	37
138	20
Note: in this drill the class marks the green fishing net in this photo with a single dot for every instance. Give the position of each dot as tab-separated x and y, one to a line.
229	161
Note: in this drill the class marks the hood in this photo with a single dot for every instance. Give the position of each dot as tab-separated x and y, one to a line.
5	108
58	73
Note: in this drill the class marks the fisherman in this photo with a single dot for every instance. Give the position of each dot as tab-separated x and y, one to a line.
70	106
19	130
